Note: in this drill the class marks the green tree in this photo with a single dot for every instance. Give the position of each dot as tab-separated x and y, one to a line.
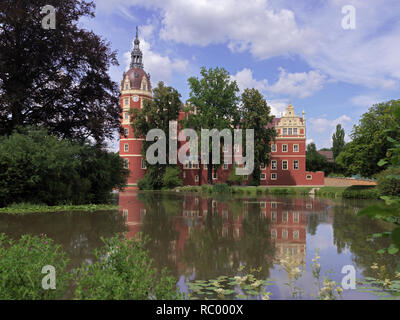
157	114
56	78
215	99
370	143
37	167
338	141
314	160
256	114
391	211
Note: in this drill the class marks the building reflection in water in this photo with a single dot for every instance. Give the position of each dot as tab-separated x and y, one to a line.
192	232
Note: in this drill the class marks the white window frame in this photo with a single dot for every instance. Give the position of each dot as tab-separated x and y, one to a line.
262	166
295	131
126	131
274	165
294	149
126	163
274	174
286	148
226	166
196	178
274	148
309	177
298	165
263	176
126	147
287	164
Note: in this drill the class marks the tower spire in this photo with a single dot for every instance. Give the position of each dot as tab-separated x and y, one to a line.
136	54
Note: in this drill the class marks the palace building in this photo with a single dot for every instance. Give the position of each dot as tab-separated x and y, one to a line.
288	157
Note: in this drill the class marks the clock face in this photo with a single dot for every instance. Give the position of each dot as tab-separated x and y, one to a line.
135	98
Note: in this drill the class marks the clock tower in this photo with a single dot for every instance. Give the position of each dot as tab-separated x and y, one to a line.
135	87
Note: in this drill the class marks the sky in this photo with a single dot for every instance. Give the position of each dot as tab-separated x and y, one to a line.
333	59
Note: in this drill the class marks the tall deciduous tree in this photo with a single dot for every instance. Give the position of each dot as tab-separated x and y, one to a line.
56	78
370	143
156	114
338	141
314	160
215	97
256	114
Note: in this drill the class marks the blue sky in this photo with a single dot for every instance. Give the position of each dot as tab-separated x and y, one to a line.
289	50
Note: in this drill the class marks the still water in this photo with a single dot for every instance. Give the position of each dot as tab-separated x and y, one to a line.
201	238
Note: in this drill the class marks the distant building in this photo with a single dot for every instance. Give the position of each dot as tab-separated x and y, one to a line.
288	157
328	155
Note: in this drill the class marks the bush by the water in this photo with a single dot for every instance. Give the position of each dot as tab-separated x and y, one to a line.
361	192
158	177
40	168
220	188
124	271
21	264
171	178
388	184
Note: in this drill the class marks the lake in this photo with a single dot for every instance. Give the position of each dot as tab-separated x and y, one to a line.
202	238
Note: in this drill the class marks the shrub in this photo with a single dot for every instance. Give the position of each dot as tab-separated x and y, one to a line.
234	179
145	183
220	188
388	185
361	192
21	264
39	168
205	188
172	178
123	271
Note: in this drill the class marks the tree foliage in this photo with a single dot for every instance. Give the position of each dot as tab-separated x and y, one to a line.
370	143
156	114
55	78
338	141
256	115
314	160
215	97
37	167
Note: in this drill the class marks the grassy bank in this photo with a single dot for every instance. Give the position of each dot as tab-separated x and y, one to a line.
25	208
353	192
246	190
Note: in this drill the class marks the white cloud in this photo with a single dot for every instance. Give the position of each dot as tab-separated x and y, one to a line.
300	85
267	28
160	67
364	100
326	127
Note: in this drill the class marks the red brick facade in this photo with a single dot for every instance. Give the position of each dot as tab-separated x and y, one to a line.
288	159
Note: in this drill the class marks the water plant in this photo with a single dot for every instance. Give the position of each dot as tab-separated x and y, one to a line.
244	285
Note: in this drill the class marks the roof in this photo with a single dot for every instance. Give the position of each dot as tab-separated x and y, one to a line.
135	76
327	154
